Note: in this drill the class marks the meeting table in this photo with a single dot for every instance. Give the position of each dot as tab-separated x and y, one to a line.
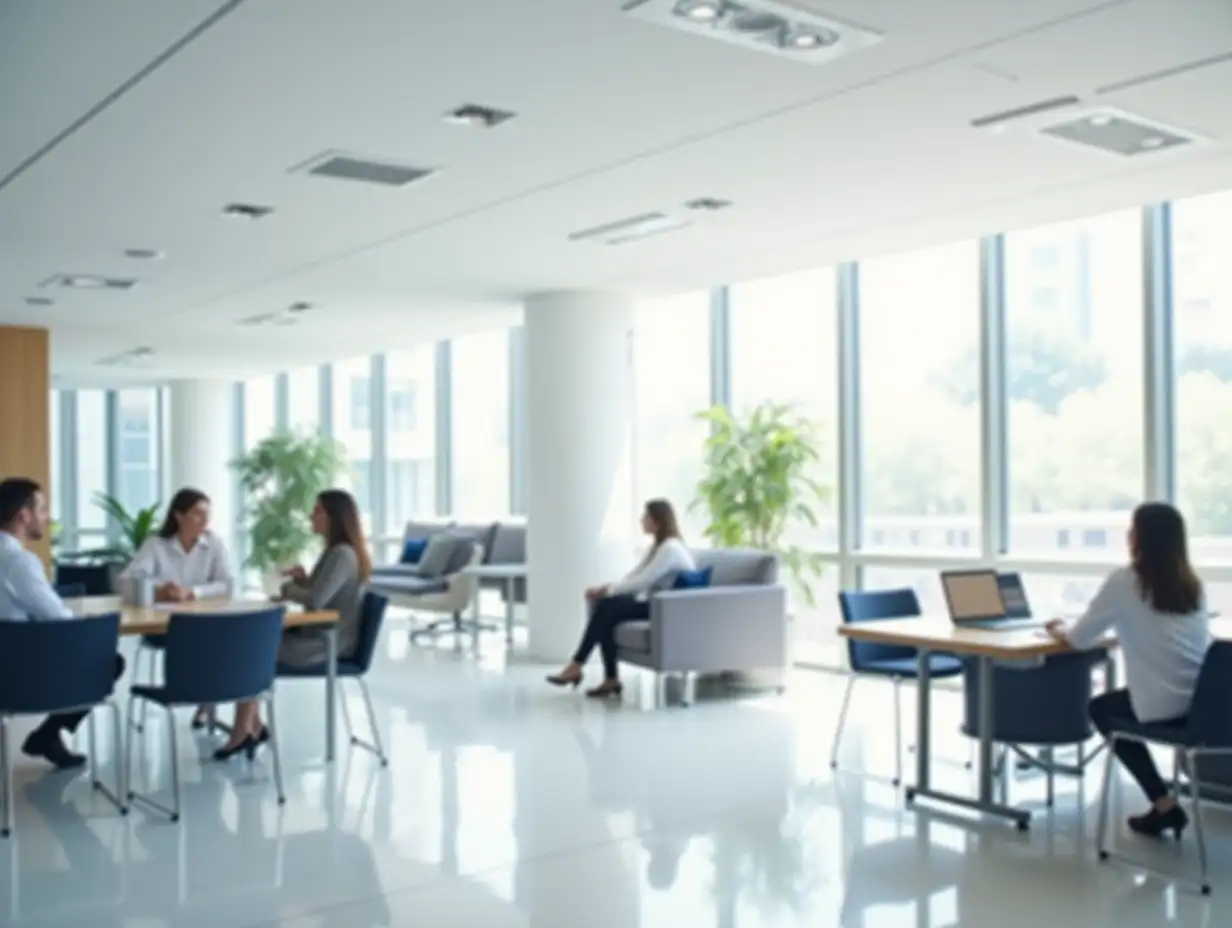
155	620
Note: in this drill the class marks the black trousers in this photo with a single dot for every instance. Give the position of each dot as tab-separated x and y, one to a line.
68	721
605	615
1105	710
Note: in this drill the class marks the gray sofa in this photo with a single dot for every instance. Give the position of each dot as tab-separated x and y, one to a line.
739	622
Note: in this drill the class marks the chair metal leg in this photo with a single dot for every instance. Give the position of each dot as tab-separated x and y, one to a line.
898	731
1101	827
116	797
346	713
142	651
375	746
175	765
173	811
1191	758
6	782
842	721
275	750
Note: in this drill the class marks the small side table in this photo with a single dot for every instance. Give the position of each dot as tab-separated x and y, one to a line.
509	575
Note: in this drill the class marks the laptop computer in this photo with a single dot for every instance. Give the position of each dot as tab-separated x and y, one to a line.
976	599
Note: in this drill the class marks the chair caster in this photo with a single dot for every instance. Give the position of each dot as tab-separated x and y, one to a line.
282	800
1206	890
1103	856
833	765
4	832
123	810
896	782
174	818
132	796
1022	825
384	762
909	794
354	740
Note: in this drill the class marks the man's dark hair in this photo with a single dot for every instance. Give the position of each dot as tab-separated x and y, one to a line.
16	494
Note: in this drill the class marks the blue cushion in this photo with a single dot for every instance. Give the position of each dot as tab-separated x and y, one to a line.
412	550
692	579
941	665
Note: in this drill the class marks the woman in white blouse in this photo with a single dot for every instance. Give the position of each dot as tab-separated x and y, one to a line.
1157	608
184	559
626	600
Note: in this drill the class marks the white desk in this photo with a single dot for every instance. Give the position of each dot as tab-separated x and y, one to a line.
509	575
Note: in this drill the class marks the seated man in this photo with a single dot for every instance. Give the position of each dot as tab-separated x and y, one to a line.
26	595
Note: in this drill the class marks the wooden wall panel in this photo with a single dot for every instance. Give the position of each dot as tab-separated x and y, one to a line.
25	409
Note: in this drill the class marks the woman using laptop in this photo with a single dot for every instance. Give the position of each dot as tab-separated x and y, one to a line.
1157	608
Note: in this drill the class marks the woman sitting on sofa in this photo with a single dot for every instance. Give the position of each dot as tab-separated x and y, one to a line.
626	600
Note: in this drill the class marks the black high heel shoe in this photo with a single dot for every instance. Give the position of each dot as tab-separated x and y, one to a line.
559	679
607	690
248	746
1155	823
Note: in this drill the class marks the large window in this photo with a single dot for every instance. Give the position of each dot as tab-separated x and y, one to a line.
1202	310
260	414
410	413
91	464
784	350
137	477
352	405
919	394
1074	384
304	399
672	373
480	408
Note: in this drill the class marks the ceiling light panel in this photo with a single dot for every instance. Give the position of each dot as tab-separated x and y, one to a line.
1116	132
88	282
772	26
632	229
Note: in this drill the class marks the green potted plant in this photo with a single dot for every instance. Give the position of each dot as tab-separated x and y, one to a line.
280	479
133	527
762	479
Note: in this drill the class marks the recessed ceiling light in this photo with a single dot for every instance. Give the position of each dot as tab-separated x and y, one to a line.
246	210
299	306
1100	119
699	10
478	117
1152	141
709	204
143	254
84	282
811	38
39	301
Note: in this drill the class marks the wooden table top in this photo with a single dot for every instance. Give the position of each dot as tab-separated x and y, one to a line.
153	620
938	633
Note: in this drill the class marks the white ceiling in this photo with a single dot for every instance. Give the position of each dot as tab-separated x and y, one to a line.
867	154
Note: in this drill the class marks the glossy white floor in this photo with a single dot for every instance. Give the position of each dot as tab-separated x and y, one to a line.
508	803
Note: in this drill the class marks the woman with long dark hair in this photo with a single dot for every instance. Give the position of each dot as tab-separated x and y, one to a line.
337	581
626	599
185	561
1157	608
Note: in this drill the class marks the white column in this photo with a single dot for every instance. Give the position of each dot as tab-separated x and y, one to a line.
201	428
579	404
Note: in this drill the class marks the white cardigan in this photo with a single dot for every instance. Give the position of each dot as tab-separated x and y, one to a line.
667	559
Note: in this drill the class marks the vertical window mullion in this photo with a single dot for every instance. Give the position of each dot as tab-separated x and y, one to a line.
1159	373
994	410
850	488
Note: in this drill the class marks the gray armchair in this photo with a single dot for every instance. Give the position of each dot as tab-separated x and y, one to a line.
739	622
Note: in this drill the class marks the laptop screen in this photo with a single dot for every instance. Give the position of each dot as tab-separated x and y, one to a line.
973	595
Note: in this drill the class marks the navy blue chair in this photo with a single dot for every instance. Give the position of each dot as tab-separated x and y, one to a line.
95	577
1043	706
892	662
58	666
371	617
213	658
1206	730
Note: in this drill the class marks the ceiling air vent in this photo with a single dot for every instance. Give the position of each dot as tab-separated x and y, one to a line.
142	356
1116	132
341	166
